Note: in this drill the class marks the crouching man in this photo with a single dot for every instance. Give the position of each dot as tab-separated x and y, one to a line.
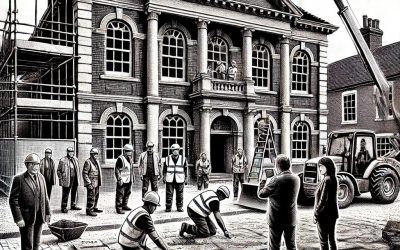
199	210
138	224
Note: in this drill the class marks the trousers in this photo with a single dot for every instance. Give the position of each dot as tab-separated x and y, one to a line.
169	194
122	195
203	226
30	234
237	178
149	180
202	179
326	233
92	198
73	188
49	187
275	234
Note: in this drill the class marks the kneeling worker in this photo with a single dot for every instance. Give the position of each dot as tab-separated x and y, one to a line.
138	224
199	210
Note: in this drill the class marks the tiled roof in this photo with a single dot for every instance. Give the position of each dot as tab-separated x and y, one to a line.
307	15
351	71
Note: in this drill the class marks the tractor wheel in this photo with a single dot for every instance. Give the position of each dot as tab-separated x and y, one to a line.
345	191
384	185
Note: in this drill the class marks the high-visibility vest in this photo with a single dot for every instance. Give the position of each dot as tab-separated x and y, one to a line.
129	234
176	170
125	170
201	203
239	164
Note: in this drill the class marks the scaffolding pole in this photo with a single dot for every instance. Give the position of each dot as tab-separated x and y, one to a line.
15	88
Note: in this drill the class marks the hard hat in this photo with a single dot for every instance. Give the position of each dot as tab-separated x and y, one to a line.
94	151
149	144
32	158
48	151
175	146
70	149
225	190
152	197
128	147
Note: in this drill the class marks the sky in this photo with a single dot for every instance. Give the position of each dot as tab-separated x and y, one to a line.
340	44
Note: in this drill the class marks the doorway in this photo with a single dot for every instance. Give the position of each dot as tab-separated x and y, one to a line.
222	148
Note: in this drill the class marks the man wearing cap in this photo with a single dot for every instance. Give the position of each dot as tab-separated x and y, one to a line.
29	203
124	174
48	170
175	177
92	181
138	224
239	165
199	210
149	168
69	173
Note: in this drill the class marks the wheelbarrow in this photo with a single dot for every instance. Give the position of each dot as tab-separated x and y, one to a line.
66	230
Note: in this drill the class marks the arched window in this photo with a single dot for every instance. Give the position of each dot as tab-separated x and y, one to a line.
261	66
300	141
118	48
300	72
119	128
174	131
173	55
217	52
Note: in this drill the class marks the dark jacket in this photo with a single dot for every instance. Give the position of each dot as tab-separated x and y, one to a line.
282	192
48	170
64	171
23	202
326	205
91	174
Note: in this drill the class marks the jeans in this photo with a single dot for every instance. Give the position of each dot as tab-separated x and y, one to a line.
326	233
169	194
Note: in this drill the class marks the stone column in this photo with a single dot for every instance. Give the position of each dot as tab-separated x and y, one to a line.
285	97
248	137
323	97
202	46
205	130
152	79
247	52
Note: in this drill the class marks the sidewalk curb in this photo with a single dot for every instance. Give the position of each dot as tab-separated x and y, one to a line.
116	226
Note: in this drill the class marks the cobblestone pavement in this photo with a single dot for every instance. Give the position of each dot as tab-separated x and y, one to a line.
359	227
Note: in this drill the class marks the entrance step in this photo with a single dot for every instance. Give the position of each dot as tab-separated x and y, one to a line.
220	177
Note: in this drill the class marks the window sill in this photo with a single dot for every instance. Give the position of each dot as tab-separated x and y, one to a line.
382	120
349	122
119	78
301	95
175	83
260	90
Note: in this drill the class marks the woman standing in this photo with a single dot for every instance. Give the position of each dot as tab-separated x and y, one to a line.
326	209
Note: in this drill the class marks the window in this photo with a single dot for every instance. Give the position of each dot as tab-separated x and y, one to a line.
118	134
174	131
300	72
173	55
217	52
118	48
383	145
261	66
300	141
349	107
390	113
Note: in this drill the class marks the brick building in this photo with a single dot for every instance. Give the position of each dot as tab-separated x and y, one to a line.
351	88
147	70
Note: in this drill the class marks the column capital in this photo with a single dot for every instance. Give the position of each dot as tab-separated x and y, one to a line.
284	40
202	24
205	109
247	32
152	15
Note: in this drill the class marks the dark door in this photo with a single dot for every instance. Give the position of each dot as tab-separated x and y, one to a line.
218	153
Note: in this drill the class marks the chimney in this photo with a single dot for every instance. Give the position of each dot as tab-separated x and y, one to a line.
371	32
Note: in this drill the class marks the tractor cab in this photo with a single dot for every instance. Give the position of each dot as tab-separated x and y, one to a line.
352	150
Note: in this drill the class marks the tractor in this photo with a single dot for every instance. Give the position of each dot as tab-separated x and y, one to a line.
359	170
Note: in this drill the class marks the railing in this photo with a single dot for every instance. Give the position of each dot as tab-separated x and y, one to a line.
228	86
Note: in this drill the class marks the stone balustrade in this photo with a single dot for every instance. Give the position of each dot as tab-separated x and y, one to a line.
228	86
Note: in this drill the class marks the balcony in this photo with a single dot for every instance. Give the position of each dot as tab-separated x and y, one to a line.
228	86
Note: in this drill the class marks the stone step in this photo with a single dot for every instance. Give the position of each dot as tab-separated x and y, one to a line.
220	177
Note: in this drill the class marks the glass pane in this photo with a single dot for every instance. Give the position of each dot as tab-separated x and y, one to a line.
118	44
125	131
118	131
118	143
110	143
165	132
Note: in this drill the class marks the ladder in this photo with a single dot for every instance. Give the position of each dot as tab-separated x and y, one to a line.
265	149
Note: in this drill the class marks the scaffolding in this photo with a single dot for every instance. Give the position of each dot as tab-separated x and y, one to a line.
37	75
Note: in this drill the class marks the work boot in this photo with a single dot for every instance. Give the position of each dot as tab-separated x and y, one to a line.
64	210
183	229
180	209
75	208
168	209
91	213
97	210
126	208
119	211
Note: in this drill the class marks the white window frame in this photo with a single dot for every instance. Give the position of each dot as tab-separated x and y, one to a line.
390	117
213	61
345	94
173	139
168	56
307	148
382	136
300	74
122	50
113	137
266	56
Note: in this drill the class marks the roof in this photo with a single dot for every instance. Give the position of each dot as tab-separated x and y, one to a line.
307	15
350	71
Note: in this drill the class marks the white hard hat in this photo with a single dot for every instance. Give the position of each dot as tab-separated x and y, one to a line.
149	144
152	197
48	151
32	158
225	190
175	146
94	151
70	149
128	147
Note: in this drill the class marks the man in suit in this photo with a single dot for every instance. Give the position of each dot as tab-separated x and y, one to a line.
48	170
92	181
149	168
125	178
69	174
29	203
282	191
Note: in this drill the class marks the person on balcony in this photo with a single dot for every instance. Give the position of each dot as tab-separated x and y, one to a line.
232	71
48	170
221	70
125	178
239	165
92	181
203	169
